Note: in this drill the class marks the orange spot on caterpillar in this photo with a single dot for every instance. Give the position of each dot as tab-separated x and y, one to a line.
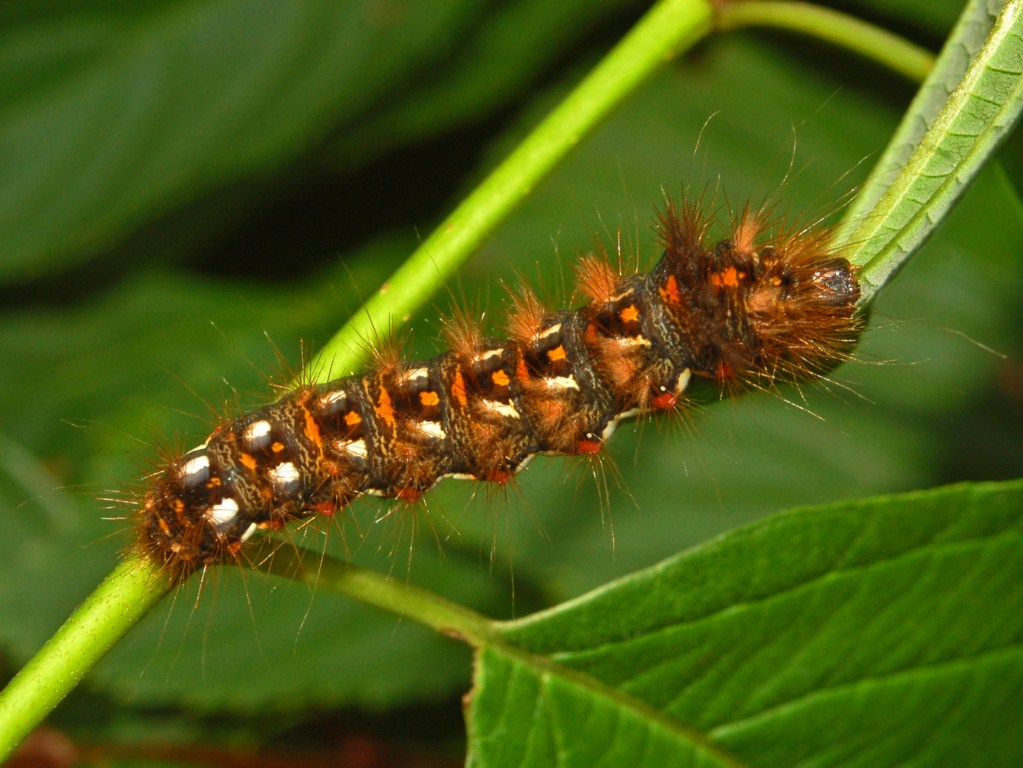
670	292
409	495
324	508
385	408
557	354
630	314
500	378
352	419
728	278
499	476
588	447
664	400
429	399
312	429
458	390
277	446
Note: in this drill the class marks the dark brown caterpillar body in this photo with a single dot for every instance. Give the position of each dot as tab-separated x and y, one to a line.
740	311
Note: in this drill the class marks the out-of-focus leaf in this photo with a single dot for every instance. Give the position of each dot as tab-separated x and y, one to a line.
112	115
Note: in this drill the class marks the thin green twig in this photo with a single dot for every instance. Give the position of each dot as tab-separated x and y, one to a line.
872	42
372	588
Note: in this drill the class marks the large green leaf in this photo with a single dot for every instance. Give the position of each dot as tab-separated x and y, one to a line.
877	633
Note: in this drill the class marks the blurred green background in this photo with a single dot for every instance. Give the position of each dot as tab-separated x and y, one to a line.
189	192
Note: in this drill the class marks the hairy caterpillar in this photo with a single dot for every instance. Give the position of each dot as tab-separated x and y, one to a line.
750	310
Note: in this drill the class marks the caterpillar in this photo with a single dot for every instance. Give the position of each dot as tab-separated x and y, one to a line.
765	305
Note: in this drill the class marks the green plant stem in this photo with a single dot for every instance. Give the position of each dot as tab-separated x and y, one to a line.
871	42
392	595
670	27
117	605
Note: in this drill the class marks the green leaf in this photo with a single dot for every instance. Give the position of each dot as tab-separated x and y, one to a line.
529	716
880	632
965	109
969	33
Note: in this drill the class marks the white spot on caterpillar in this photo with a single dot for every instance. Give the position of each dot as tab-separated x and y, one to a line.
683	381
484	356
195	465
433	429
556	328
634	341
249	531
352	447
612	425
561	382
332	397
458	476
284	474
256	433
501	409
416	373
222	513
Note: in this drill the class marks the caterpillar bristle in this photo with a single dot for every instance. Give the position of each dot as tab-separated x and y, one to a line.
525	315
463	333
596	278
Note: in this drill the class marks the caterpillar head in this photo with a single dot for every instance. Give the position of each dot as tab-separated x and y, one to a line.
757	308
800	307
